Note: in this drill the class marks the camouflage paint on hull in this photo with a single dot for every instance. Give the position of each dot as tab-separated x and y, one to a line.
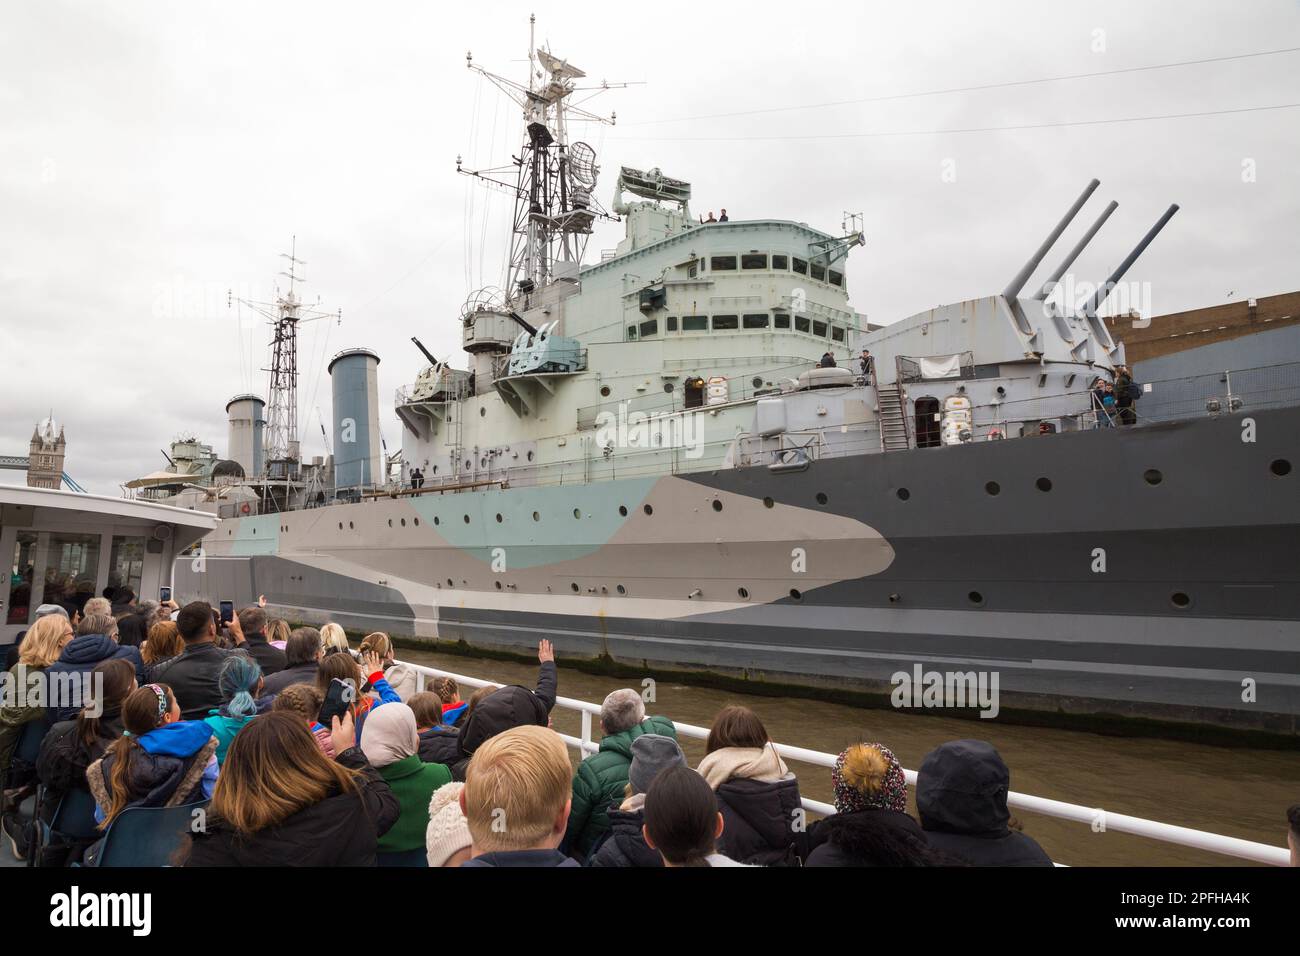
908	557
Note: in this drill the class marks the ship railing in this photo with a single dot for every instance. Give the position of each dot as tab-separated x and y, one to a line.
1092	817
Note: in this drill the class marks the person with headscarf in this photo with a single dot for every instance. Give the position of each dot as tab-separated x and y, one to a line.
391	745
871	826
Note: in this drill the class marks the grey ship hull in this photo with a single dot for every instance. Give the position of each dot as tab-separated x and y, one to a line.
1198	605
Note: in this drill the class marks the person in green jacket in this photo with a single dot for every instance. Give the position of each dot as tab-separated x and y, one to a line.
601	778
240	683
391	744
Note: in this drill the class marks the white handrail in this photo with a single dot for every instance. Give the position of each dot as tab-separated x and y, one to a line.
1104	820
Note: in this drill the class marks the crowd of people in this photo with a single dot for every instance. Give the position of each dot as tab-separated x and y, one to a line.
318	753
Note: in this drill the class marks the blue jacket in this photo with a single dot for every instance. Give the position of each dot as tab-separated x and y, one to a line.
179	763
66	677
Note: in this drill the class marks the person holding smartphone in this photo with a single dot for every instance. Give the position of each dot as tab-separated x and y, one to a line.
194	675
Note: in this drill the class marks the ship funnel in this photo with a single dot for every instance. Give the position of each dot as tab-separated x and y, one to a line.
354	380
1064	267
1100	295
245	415
1023	275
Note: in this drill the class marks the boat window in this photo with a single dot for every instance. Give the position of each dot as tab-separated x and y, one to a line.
670	323
695	323
837	333
800	266
818	272
758	321
837	278
23	572
649	328
754	260
780	262
724	262
725	323
819	329
802	323
781	320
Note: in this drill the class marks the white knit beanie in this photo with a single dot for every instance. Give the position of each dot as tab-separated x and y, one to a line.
448	831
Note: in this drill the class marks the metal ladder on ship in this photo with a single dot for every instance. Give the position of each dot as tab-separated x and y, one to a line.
893	418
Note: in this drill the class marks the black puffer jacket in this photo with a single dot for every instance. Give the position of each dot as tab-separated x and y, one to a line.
623	843
440	745
65	757
341	830
503	709
759	821
961	795
870	838
192	675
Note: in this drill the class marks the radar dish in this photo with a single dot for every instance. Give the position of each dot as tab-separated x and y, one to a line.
559	68
582	165
487	299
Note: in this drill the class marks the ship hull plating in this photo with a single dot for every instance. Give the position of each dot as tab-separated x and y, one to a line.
1142	571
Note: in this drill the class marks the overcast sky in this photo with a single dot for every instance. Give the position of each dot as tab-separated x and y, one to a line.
154	155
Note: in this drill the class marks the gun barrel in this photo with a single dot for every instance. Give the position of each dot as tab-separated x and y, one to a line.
1064	267
420	345
1018	283
1100	295
520	319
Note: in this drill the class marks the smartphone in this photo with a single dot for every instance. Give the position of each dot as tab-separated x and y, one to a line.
164	594
337	699
227	611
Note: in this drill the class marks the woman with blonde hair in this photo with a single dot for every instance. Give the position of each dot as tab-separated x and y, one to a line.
280	800
334	639
41	647
277	633
163	644
401	678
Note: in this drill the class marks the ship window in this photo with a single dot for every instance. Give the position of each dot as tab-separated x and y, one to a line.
780	262
781	320
817	272
670	324
631	333
800	266
837	278
758	321
649	328
695	323
725	323
754	260
802	323
723	262
837	333
693	271
819	329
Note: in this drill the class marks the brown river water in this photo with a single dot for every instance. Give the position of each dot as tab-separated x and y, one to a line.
1234	791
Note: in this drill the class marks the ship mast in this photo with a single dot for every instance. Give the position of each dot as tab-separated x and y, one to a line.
553	179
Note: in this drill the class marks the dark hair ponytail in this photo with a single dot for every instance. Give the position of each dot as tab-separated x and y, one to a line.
681	816
144	710
117	678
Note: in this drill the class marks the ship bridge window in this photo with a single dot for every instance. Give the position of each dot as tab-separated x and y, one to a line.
758	321
802	323
631	333
818	272
837	333
800	266
693	271
837	278
723	263
695	323
781	320
649	328
780	262
819	329
754	260
670	323
725	323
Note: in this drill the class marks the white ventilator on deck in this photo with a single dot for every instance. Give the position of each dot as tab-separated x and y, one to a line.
1028	803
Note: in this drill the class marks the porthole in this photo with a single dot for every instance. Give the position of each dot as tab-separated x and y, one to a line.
668	387
1180	600
1280	467
417	522
622	510
743	592
467	519
769	503
604	391
451	583
1152	476
482	462
482	411
498	584
530	456
648	510
537	516
717	505
350	527
390	522
403	522
758	382
577	513
340	525
975	598
621	589
992	488
498	517
903	494
1044	484
574	586
468	464
821	498
437	520
795	595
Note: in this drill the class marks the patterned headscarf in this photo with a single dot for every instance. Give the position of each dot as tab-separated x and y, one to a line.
867	777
